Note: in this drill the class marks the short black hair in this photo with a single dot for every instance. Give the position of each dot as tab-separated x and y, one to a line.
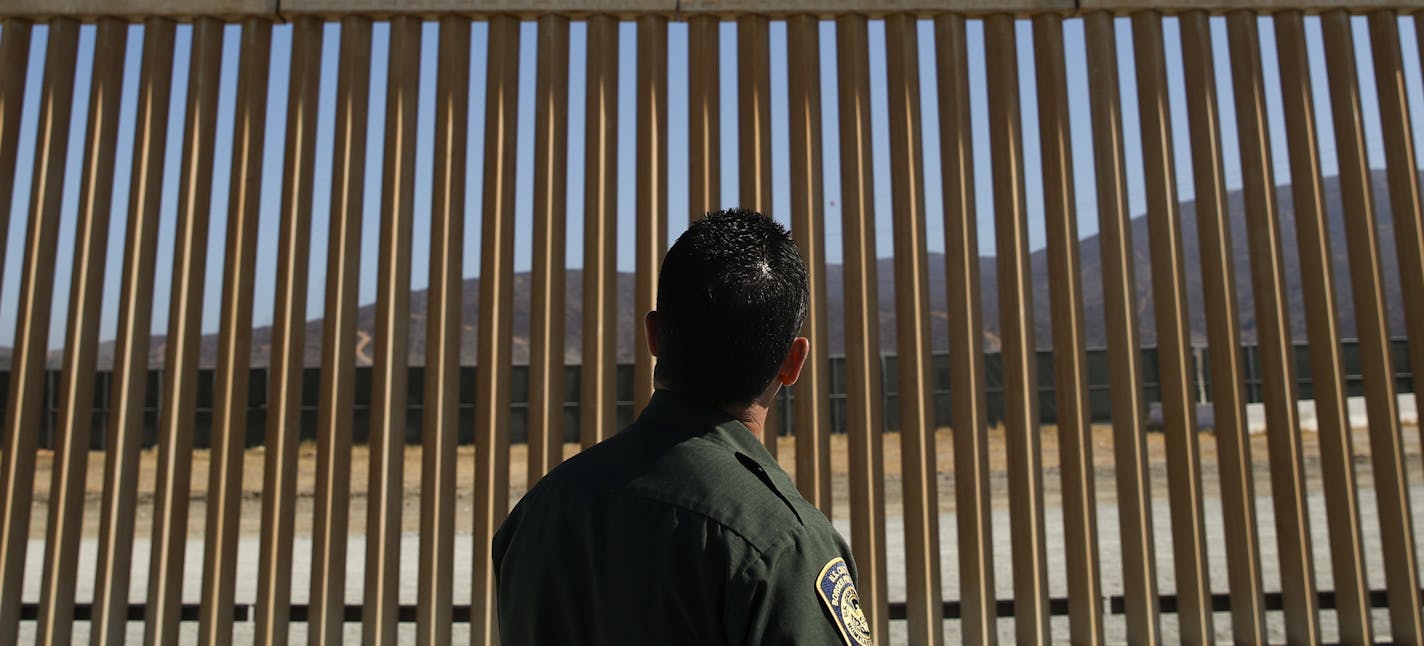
732	296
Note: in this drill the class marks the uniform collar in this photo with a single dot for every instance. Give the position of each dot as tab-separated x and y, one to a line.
681	413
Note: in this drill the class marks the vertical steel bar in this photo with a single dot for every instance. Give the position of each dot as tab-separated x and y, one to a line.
917	445
864	394
754	111
76	397
1139	569
381	602
704	121
1404	199
1075	438
439	436
978	609
130	381
813	409
284	389
1337	467
754	136
598	383
1273	335
546	315
14	56
1021	418
335	412
1367	287
24	410
1169	295
496	318
229	430
1238	496
184	340
651	237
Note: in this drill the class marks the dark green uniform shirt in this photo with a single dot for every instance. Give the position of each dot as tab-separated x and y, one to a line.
682	530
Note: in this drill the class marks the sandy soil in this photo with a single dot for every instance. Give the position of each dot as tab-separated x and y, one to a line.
1102	447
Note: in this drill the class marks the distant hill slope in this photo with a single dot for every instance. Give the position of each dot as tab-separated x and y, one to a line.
1092	293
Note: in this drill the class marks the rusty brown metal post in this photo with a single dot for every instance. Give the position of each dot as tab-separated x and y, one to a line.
1173	343
1273	335
234	362
496	318
1021	413
440	424
1367	288
1139	560
1406	209
1238	496
546	311
1326	363
599	381
14	56
813	408
336	412
180	366
24	409
288	354
390	370
917	440
754	111
1075	437
130	377
54	625
651	199
864	391
704	123
978	609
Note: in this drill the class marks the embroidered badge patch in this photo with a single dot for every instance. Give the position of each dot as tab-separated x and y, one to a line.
837	590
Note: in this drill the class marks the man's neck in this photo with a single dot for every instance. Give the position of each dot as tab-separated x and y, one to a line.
752	416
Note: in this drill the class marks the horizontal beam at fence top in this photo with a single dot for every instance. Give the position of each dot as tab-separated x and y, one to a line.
676	9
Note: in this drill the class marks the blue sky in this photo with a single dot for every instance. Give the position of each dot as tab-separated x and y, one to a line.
678	137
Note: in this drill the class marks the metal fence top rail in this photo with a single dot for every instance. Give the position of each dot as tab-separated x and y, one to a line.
284	9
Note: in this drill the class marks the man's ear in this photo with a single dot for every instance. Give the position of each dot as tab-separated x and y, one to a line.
790	369
650	329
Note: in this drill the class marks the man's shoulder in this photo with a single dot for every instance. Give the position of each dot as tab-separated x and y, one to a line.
650	464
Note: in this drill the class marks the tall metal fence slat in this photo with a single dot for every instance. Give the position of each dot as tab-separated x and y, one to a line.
284	394
1126	372
168	549
1273	334
441	414
230	408
973	507
336	407
1337	466
864	388
129	388
496	318
812	401
1233	448
598	379
1075	442
1189	548
14	56
1386	450
651	184
86	290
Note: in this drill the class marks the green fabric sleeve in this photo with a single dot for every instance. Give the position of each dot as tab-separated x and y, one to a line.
775	599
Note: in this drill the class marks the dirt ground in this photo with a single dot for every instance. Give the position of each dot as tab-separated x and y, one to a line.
1102	447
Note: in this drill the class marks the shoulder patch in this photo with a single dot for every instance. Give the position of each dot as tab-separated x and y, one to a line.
837	590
